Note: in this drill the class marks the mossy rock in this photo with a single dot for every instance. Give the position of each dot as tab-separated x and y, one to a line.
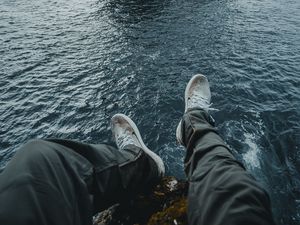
175	214
165	204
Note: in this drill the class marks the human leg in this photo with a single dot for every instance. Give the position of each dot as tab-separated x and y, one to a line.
63	182
221	191
118	174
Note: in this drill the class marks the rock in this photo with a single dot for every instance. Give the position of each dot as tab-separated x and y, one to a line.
174	214
164	205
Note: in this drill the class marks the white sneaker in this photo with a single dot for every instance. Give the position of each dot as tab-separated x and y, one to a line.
197	95
126	133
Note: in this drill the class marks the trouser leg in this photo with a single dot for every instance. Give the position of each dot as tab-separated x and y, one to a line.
51	182
118	174
221	191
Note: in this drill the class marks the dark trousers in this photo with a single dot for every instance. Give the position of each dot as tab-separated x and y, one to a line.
61	182
221	191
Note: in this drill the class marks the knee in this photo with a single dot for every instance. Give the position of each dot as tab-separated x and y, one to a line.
36	148
31	155
34	145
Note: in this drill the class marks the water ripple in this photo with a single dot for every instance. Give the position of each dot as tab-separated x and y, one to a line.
67	67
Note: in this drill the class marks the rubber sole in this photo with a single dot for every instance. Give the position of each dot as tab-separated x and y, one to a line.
178	133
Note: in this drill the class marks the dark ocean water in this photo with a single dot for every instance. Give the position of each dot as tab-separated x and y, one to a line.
67	66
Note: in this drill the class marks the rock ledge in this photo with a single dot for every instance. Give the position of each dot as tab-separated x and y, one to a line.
164	205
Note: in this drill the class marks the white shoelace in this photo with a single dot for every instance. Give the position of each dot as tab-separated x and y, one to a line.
125	138
197	101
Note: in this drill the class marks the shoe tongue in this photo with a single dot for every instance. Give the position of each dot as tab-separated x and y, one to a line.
196	100
126	138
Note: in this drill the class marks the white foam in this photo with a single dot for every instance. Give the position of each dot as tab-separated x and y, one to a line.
251	157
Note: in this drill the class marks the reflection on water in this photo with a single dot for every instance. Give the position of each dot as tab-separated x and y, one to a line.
67	67
132	12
